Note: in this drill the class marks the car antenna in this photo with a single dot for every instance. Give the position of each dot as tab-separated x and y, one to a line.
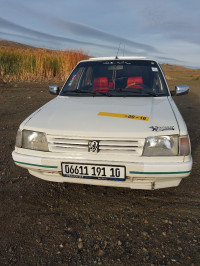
118	50
124	50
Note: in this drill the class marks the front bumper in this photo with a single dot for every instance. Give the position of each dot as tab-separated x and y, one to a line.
139	175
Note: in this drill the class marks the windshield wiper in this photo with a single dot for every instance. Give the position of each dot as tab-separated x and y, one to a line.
144	88
150	93
136	91
78	91
87	91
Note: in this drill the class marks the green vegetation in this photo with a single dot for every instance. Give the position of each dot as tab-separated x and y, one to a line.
37	64
20	62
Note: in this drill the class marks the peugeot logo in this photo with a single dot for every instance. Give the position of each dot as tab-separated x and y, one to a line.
93	146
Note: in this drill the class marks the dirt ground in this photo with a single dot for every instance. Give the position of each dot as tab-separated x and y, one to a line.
43	223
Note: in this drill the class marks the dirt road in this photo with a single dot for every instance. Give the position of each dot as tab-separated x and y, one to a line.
43	223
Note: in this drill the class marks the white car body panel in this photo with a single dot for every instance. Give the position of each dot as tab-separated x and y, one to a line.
81	118
77	116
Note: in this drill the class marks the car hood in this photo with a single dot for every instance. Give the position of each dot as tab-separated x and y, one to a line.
105	117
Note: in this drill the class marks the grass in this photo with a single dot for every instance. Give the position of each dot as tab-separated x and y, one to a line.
37	64
180	73
20	62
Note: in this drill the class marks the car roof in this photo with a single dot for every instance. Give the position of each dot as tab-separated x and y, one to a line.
117	58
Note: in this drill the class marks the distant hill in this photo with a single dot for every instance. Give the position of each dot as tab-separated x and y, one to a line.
172	72
176	72
170	67
9	44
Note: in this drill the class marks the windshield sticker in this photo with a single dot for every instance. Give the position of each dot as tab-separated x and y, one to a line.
72	80
136	117
116	62
115	67
157	129
154	69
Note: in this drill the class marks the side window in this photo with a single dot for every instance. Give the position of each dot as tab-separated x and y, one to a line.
158	84
86	82
74	79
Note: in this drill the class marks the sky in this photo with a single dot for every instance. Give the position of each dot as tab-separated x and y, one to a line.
164	30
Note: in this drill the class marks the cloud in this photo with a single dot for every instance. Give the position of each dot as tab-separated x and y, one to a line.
99	27
94	33
168	59
84	31
29	40
38	36
173	20
4	24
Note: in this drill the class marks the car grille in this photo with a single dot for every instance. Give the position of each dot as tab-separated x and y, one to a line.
68	144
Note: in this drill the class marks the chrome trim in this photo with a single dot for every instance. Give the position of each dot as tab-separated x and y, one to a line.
54	90
181	89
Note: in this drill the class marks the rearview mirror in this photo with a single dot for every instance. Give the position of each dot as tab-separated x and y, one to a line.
54	90
180	90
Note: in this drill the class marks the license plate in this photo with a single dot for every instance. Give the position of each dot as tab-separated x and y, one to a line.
91	171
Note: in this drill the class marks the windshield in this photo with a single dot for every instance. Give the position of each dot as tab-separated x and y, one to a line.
127	78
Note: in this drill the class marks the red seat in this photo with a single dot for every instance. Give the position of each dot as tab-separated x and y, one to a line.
111	84
132	82
100	84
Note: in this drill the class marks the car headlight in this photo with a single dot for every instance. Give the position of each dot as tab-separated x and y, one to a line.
32	140
167	146
161	146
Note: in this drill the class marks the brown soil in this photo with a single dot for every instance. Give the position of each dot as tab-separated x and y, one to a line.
44	223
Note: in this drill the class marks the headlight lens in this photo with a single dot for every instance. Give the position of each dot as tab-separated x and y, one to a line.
34	140
161	146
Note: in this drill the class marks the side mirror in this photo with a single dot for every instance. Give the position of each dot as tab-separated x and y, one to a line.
180	90
54	90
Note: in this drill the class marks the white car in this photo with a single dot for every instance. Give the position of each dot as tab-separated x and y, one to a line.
114	123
